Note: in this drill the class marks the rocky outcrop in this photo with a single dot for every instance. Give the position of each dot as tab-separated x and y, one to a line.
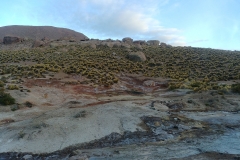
136	56
11	39
153	42
127	40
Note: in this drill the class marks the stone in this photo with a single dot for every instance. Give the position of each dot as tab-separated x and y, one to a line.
137	56
72	40
79	157
157	124
125	45
53	45
153	42
11	39
175	106
116	44
38	43
93	46
127	40
27	157
164	45
161	107
28	104
45	39
149	83
138	46
152	60
141	42
108	44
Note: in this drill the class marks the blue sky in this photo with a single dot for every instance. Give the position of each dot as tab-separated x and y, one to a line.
198	23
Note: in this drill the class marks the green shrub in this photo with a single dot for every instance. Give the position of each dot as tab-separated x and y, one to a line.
236	87
6	99
4	79
1	83
196	84
173	86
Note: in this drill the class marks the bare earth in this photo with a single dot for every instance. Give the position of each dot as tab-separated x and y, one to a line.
125	121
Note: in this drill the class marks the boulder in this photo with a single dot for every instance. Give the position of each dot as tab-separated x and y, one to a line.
153	42
108	44
72	39
164	45
149	83
141	42
116	44
127	40
11	39
109	40
54	44
138	46
126	45
38	43
27	157
92	45
137	56
45	39
160	107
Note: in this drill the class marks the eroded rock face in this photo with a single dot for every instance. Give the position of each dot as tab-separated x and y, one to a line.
11	39
137	56
153	42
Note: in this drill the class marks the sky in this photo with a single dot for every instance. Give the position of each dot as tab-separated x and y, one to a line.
197	23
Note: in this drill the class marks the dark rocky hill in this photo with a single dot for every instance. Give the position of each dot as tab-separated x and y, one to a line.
39	32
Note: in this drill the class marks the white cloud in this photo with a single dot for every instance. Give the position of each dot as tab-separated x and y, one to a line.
108	19
118	19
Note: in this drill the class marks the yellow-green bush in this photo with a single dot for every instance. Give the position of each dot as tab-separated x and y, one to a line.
12	87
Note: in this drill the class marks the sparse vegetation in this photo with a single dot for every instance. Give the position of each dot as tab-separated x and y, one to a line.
28	104
5	98
1	84
236	87
197	65
12	87
21	134
80	114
